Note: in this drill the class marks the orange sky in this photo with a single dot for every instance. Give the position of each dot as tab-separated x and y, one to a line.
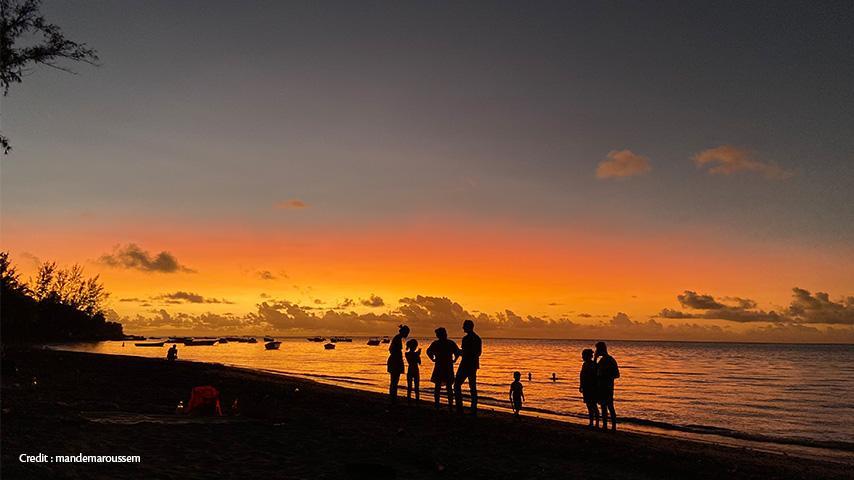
551	272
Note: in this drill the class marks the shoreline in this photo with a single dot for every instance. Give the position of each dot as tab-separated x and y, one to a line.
73	383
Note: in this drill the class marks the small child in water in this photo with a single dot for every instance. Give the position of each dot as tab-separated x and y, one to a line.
517	396
587	385
413	374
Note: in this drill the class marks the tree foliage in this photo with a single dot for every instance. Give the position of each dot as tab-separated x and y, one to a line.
60	304
43	44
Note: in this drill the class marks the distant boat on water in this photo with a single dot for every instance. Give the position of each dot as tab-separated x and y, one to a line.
374	342
269	339
340	339
316	339
274	345
386	340
329	346
200	343
178	339
223	340
150	344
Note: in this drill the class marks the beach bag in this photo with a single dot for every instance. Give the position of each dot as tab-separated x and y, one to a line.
204	401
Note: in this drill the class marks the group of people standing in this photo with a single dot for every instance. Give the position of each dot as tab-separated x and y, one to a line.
598	372
444	353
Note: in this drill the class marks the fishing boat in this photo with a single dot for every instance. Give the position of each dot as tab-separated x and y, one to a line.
223	340
269	339
316	339
150	344
373	342
386	340
251	340
274	345
340	339
329	346
200	343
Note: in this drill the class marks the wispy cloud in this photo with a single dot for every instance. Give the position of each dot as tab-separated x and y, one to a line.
728	160
133	257
373	301
622	164
292	204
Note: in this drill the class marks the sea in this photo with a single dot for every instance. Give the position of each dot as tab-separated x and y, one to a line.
771	396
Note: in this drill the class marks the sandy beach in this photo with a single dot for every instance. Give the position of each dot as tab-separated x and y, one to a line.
294	428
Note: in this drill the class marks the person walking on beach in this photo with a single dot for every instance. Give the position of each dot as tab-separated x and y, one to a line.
413	373
395	362
444	352
517	394
472	348
606	372
588	385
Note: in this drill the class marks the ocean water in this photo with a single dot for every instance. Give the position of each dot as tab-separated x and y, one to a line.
788	394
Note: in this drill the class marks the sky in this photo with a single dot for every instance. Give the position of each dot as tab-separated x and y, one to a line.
679	171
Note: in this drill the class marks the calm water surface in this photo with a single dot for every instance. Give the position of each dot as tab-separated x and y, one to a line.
790	393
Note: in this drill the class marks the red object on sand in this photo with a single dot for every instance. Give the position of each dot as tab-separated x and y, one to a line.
204	401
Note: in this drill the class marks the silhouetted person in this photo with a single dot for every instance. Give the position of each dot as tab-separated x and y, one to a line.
395	361
554	377
172	354
517	395
606	372
472	348
530	376
413	373
588	385
444	353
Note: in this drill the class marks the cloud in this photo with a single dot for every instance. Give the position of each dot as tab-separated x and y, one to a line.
622	164
266	275
188	297
292	204
372	301
727	160
819	308
347	303
804	308
133	257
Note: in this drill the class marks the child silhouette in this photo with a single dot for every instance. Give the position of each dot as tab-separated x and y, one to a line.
517	396
413	373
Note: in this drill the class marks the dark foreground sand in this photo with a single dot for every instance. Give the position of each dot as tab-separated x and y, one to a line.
317	432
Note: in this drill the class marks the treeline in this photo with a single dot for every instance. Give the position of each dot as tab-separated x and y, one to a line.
59	305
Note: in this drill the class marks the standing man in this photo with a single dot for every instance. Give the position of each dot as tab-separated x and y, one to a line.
606	372
471	350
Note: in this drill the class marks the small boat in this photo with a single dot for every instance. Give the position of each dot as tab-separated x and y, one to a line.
251	340
329	346
151	344
340	339
178	339
374	342
316	339
223	340
269	339
274	345
200	343
386	340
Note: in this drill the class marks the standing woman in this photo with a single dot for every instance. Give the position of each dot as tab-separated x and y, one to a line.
444	353
395	361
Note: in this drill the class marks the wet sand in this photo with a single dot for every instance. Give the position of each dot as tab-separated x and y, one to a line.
295	428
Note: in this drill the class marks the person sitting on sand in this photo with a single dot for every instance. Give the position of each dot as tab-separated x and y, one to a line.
444	352
395	361
413	373
172	354
606	372
517	395
588	384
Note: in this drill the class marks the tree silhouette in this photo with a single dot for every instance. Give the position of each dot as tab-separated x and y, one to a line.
45	45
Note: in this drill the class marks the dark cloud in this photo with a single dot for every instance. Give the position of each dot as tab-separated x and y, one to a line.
372	301
266	275
132	300
188	297
132	256
804	308
347	303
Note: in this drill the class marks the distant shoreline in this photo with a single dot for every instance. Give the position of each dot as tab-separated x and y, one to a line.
297	426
